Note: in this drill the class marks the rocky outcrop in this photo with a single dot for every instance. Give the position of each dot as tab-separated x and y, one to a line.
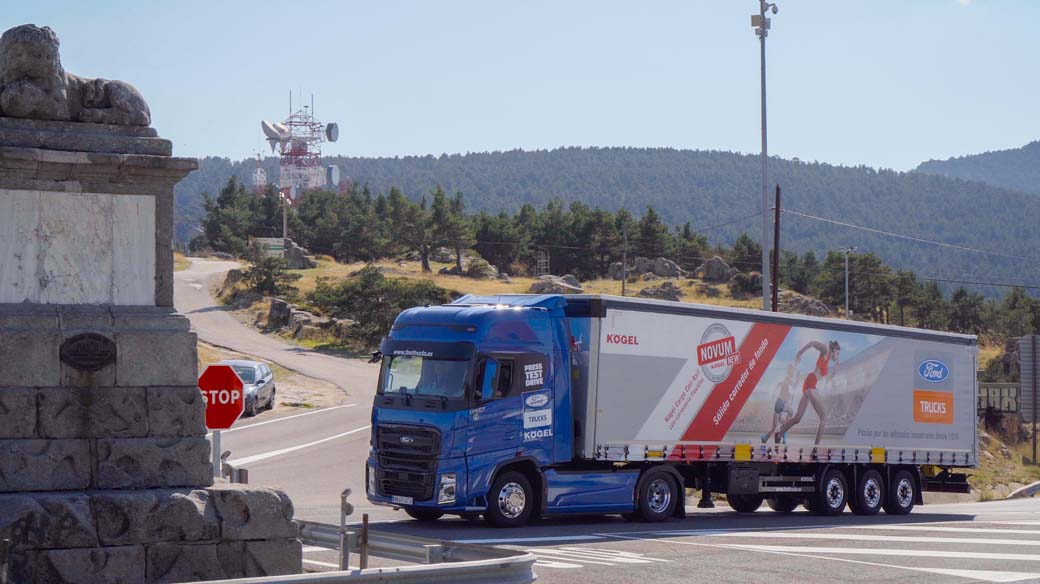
640	267
279	313
297	257
666	291
795	303
442	255
556	285
715	269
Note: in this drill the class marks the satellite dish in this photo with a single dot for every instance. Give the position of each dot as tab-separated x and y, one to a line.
332	132
269	130
332	175
283	131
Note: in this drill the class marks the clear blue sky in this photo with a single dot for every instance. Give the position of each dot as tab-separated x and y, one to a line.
886	83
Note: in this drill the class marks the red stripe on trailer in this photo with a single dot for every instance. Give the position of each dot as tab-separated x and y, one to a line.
723	406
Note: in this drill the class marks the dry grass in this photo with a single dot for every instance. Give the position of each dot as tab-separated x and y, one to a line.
693	291
987	353
180	262
294	389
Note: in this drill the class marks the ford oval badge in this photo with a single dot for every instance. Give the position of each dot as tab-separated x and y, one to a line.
407	439
537	400
933	370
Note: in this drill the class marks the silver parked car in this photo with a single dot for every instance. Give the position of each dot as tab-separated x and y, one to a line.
258	382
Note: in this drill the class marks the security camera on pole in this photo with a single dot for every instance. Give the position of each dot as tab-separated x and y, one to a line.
761	25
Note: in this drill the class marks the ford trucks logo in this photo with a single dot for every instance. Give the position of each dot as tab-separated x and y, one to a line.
933	370
406	439
537	400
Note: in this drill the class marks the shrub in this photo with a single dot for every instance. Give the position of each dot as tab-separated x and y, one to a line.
373	301
268	275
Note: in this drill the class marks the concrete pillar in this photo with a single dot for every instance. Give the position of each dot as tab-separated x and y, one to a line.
105	471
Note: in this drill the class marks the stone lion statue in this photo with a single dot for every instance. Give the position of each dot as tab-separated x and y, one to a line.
34	85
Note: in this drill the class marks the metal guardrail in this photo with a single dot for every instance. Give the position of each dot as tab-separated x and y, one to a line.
440	561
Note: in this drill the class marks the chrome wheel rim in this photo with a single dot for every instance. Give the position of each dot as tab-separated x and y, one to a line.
835	493
905	493
872	493
659	495
512	500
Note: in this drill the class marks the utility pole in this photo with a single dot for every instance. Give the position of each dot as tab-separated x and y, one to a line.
624	260
761	24
776	252
847	251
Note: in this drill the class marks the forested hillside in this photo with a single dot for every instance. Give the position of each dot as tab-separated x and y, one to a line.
1018	168
716	192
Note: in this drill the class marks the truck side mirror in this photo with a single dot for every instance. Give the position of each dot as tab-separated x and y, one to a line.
490	379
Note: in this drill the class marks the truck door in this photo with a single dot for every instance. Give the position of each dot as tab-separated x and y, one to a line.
516	407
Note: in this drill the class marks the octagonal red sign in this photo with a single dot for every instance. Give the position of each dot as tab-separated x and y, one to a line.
222	390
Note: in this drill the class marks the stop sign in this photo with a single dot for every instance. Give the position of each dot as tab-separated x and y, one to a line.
222	390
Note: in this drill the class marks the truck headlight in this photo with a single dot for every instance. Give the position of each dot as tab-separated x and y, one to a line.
446	493
371	472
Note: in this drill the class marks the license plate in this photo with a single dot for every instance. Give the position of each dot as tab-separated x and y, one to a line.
401	500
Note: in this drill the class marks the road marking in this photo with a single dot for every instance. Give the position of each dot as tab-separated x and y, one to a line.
506	541
250	426
315	548
866	537
945	529
888	552
551	564
328	564
601	557
273	453
977	575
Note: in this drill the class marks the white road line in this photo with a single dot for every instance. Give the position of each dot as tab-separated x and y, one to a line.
327	564
273	453
550	564
888	552
250	426
315	548
946	529
976	575
552	554
890	538
519	540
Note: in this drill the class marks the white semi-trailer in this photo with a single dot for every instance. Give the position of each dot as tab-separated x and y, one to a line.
603	404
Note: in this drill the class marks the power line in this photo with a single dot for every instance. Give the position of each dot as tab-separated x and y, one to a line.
907	237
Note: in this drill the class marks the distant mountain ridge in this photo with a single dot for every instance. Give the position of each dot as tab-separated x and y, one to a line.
1017	168
711	189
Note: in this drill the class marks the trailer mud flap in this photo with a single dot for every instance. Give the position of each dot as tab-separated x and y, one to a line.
742	481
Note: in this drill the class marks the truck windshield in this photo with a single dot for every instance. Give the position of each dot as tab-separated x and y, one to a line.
424	376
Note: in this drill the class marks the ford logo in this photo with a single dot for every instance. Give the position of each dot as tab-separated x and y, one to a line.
537	400
406	439
933	370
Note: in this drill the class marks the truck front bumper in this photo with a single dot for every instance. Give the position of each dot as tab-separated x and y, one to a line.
448	489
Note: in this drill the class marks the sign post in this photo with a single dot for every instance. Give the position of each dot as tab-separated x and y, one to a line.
225	401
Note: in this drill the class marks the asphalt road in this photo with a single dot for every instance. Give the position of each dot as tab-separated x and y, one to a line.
314	454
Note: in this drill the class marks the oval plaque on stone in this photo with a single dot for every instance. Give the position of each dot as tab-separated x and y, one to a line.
88	352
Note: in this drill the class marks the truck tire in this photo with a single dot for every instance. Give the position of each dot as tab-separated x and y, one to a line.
783	503
869	495
424	515
510	500
900	499
658	496
744	503
833	494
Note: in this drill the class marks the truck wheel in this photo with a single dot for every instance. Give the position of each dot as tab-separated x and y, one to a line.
510	501
744	503
900	500
783	503
658	496
869	495
424	515
833	494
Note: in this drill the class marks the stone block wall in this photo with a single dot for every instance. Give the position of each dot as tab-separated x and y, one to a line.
106	476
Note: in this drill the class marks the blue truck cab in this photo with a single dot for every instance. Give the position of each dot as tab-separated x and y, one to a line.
473	414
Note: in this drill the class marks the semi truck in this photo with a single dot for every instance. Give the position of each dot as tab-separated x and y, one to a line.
519	406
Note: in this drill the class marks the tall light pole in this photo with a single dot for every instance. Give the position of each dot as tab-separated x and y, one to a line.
761	25
848	250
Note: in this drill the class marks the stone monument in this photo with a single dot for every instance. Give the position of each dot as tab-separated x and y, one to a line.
105	472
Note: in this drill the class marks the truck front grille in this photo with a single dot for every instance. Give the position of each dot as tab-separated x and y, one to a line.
407	458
